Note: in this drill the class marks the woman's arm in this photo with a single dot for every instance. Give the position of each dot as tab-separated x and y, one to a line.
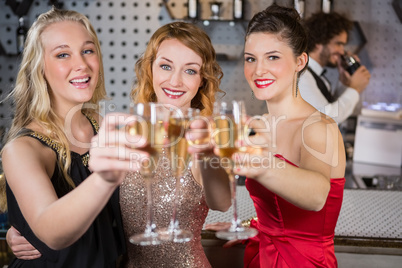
207	169
306	186
215	181
60	222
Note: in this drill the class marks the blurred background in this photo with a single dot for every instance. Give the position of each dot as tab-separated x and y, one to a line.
125	26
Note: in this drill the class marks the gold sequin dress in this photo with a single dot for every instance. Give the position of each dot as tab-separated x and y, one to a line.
192	211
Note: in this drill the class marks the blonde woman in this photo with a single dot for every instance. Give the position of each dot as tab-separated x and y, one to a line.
61	200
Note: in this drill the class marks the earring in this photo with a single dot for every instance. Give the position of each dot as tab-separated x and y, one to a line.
252	95
295	87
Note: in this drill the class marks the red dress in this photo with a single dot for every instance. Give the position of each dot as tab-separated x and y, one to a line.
290	236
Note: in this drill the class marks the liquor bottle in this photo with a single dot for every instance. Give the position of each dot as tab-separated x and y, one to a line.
192	9
238	11
326	6
299	6
350	63
21	35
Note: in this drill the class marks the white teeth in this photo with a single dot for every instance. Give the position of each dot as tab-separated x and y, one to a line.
265	82
173	93
83	80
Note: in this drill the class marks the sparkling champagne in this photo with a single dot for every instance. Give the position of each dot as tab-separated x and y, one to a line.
155	135
226	135
229	130
150	124
179	158
178	144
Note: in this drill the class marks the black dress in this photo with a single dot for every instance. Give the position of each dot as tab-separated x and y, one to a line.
102	243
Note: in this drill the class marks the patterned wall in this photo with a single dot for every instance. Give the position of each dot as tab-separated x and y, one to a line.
124	27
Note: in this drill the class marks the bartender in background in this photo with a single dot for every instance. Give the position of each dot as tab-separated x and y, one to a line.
328	34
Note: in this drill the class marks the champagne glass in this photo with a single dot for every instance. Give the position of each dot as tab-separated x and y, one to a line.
180	164
229	131
150	125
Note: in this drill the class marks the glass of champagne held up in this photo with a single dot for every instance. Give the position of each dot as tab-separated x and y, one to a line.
150	124
229	130
180	164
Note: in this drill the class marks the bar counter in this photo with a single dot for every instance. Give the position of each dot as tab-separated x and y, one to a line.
370	222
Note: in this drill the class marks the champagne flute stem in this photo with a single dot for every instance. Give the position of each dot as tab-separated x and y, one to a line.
150	225
235	221
174	232
174	224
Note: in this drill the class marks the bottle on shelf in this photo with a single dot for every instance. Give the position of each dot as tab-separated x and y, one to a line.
193	11
349	63
215	10
21	35
238	9
299	6
326	6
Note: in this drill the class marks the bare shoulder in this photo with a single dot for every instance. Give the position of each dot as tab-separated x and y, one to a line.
317	125
322	140
26	148
26	151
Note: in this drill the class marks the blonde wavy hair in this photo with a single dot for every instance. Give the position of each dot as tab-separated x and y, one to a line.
30	95
198	41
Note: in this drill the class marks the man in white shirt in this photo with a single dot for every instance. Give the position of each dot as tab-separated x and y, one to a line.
328	33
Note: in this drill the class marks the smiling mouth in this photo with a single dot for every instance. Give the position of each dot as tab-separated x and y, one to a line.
173	93
263	83
80	81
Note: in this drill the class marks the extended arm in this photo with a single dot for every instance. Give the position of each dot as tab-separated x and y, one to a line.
307	185
59	222
207	169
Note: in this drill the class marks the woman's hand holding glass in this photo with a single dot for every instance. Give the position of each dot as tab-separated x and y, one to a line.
149	124
256	154
229	131
111	149
198	137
